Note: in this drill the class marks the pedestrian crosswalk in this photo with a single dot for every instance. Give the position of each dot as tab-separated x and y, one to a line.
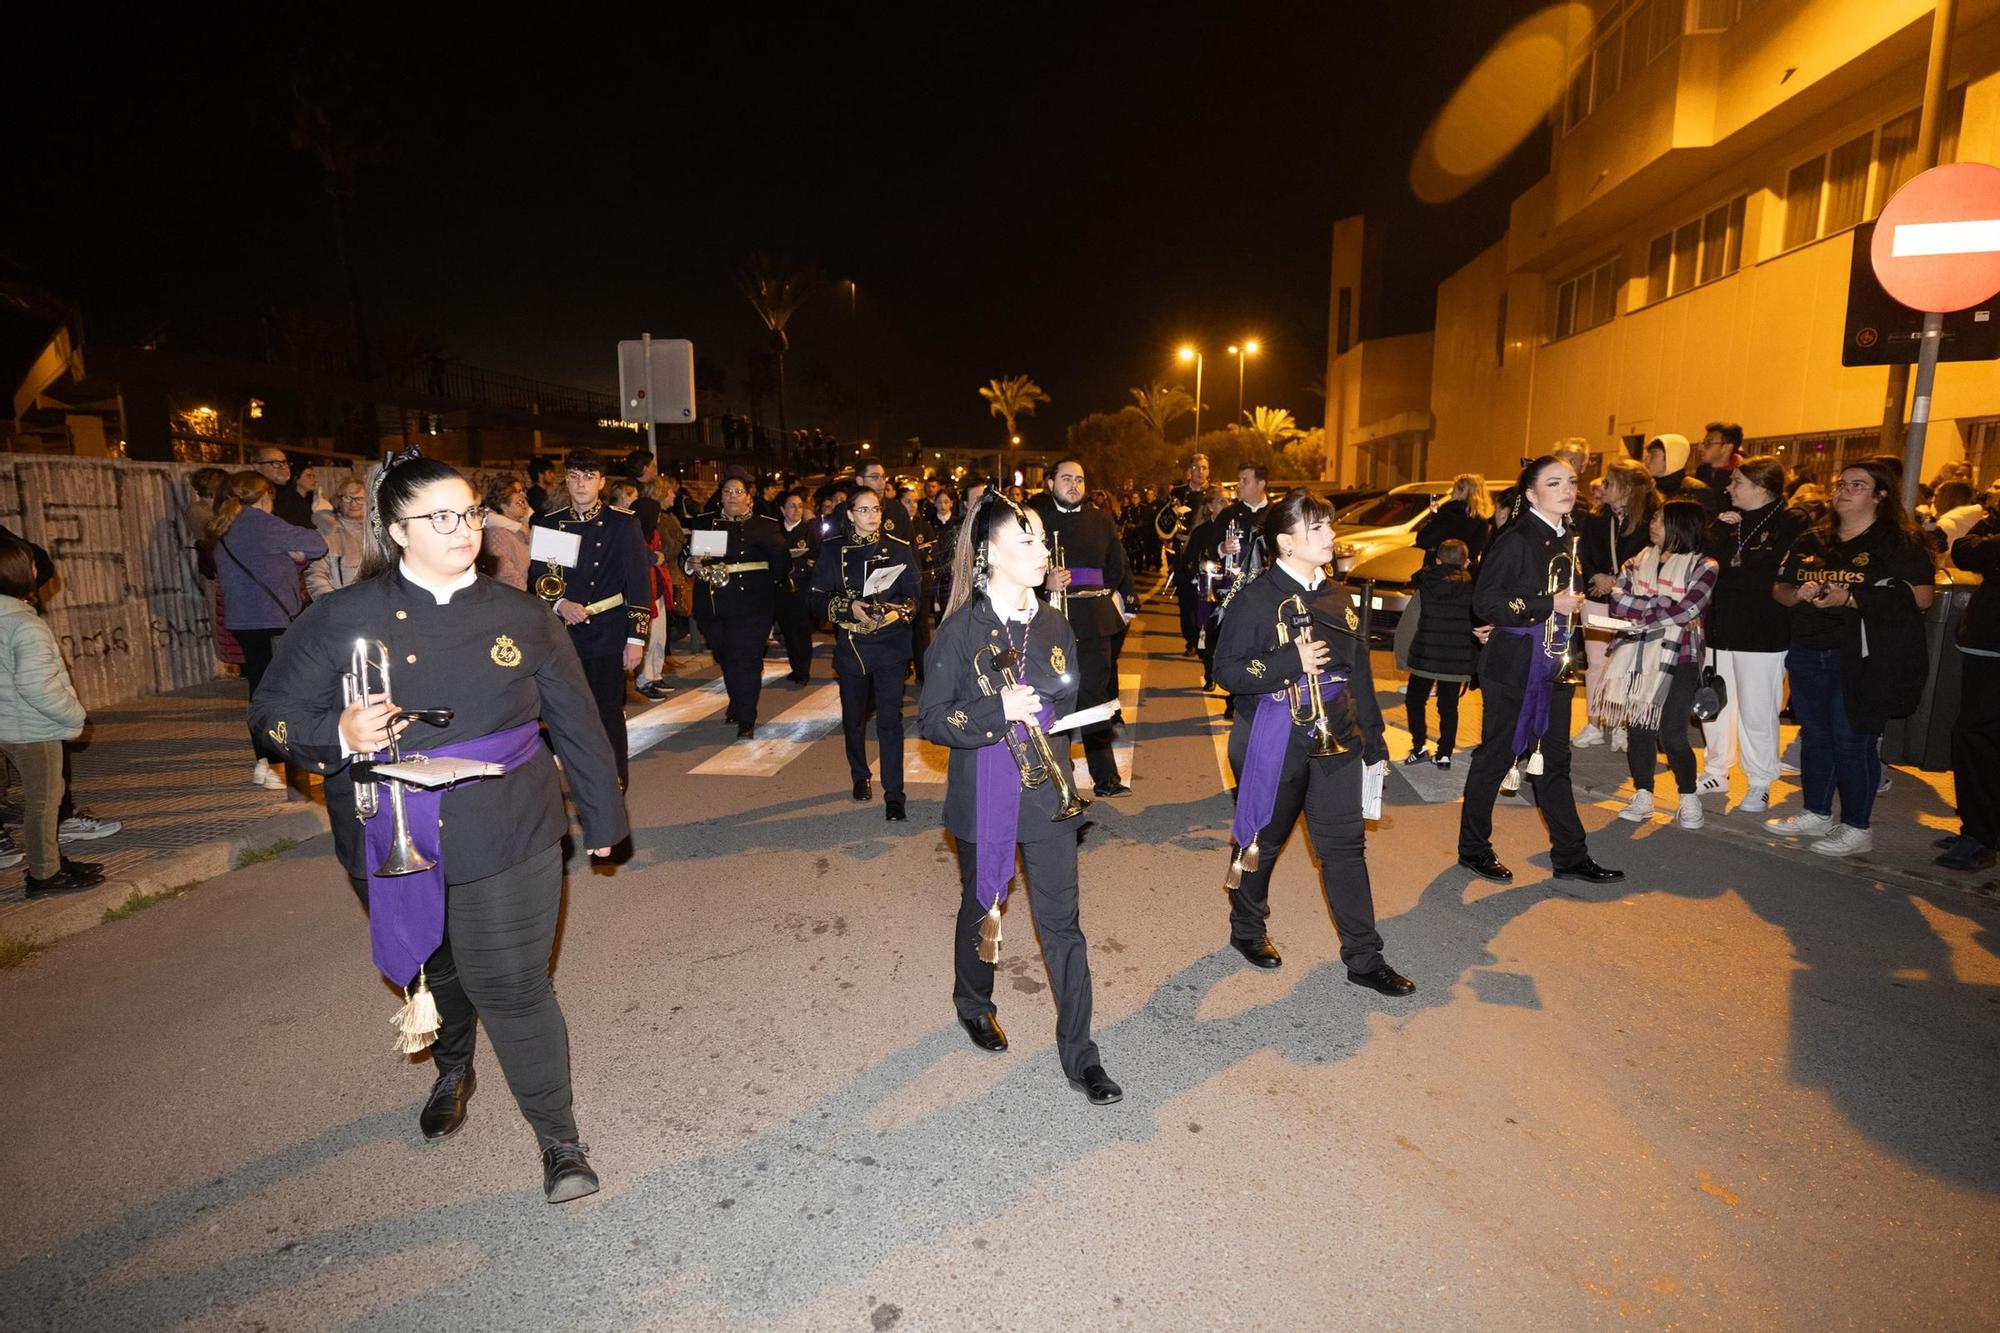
780	740
689	705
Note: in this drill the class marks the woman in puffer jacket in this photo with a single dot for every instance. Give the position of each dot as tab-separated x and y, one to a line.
39	710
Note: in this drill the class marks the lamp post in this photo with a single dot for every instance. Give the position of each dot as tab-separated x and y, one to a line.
1194	354
1247	350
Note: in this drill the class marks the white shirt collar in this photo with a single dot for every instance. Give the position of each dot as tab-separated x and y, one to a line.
1318	576
1259	507
1553	523
1008	614
441	591
1062	508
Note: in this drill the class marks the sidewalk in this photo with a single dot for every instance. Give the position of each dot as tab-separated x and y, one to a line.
175	770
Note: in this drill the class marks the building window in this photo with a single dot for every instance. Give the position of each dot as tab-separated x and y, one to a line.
1835	190
1709	247
1982	451
1818	458
1586	300
1630	36
1343	336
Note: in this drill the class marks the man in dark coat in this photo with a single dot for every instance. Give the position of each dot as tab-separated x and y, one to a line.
1095	584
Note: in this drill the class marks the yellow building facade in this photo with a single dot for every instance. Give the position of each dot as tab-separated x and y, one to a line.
1686	259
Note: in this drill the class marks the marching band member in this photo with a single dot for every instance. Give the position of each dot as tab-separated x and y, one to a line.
996	629
1095	586
473	933
612	562
801	535
1527	707
1291	647
734	597
1175	516
871	639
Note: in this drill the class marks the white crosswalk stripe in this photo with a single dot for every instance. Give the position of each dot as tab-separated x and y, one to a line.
779	741
688	706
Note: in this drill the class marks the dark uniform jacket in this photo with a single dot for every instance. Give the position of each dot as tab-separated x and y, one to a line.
1089	541
838	578
1512	591
802	546
612	558
1250	660
495	656
1454	521
954	713
751	593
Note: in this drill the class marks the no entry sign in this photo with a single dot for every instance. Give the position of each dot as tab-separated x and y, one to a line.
1937	244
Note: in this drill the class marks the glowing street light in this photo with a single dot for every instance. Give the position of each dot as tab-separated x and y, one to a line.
1189	352
1013	439
1242	354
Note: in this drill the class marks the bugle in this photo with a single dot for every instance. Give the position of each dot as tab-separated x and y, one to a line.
367	666
1033	752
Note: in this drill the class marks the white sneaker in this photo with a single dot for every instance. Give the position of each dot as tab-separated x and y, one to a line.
1807	825
1845	841
1691	815
1512	782
1618	740
262	776
1888	781
1591	735
1756	801
1639	808
1710	785
84	826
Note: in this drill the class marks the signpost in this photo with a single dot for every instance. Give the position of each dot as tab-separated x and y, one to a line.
1937	249
656	382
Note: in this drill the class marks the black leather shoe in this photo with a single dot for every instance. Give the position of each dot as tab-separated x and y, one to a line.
1112	789
1384	979
1259	952
1488	867
71	877
566	1173
1591	873
445	1111
985	1032
746	731
1966	854
892	809
657	690
862	791
1097	1085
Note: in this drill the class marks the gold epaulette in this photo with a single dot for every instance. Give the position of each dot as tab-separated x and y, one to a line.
617	510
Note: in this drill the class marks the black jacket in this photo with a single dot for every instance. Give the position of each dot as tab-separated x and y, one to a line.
1454	522
1512	591
750	594
492	654
1444	646
1250	660
1600	532
839	575
1978	552
612	560
1089	541
1742	617
956	713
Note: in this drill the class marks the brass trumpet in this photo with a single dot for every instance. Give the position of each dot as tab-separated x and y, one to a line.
1567	649
886	613
371	658
1034	754
1302	696
1059	597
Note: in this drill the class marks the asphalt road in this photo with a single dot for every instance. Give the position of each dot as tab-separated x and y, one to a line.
1738	1088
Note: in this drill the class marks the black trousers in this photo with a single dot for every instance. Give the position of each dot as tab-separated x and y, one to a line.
1975	750
795	627
1096	683
1328	792
1553	795
882	687
737	643
1190	632
607	686
259	645
1447	696
1643	747
499	933
1051	867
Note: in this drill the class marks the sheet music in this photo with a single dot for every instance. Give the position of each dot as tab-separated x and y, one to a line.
881	580
708	543
553	544
1371	790
438	772
1085	717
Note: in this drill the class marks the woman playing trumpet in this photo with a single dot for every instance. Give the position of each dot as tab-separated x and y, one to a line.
872	639
1291	648
475	931
1002	666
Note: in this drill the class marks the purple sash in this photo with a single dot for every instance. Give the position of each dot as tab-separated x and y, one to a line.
1534	718
406	912
1264	760
996	799
1083	576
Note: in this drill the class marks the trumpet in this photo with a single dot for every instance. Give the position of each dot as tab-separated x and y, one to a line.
1566	650
1303	696
371	658
886	614
1059	597
1033	753
712	570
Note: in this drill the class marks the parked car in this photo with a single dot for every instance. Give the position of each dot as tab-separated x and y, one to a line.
1375	541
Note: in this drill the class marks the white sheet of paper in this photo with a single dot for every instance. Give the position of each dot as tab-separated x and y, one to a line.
1085	717
881	580
1608	622
554	544
438	772
1371	790
708	543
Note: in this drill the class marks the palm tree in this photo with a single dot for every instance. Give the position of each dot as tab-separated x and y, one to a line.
775	288
1012	398
1273	425
1161	405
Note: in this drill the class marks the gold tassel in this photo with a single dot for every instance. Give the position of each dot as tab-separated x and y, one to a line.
417	1022
989	935
1241	864
1535	763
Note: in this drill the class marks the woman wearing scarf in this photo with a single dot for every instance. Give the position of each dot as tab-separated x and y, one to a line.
1003	557
472	936
1653	668
1294	626
1610	537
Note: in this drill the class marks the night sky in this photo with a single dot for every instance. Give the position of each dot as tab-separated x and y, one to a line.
1014	190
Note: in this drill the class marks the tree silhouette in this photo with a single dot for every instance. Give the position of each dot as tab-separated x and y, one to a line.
1161	405
1011	399
775	288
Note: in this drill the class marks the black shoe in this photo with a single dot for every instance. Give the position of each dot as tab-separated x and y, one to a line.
1590	873
1115	788
862	791
1259	952
1967	854
444	1112
72	877
892	809
1947	842
985	1032
1095	1084
1488	867
656	690
799	680
1384	979
729	716
1442	761
1418	755
746	731
566	1173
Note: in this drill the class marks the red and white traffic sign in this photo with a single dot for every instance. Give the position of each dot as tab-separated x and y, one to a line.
1937	244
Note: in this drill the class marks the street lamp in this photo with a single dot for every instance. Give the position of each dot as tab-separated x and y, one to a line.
1243	353
1194	354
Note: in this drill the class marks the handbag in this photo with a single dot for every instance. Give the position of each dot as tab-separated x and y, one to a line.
1711	696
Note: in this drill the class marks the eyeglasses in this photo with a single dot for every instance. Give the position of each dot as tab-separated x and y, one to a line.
353	499
274	462
1854	486
444	522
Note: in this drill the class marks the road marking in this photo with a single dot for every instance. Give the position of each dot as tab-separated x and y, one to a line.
1122	748
1913	240
780	741
687	707
1218	735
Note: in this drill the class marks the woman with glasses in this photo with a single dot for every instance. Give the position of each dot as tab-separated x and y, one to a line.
1856	584
872	638
346	532
473	936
